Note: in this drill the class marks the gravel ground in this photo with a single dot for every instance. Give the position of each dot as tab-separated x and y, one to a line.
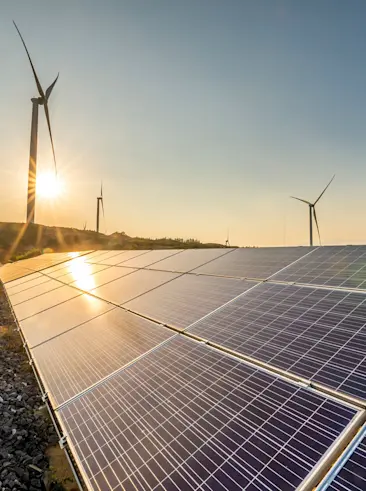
25	429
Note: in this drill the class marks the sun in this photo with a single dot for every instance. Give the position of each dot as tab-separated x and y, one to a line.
48	185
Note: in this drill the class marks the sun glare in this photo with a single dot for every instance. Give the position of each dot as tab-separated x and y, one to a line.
49	185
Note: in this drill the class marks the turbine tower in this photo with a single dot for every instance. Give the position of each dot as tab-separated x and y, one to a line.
313	212
100	201
42	100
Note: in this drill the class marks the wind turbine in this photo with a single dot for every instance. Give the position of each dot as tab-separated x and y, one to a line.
227	243
42	100
100	201
313	212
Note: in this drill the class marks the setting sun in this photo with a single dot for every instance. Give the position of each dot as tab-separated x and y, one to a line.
49	185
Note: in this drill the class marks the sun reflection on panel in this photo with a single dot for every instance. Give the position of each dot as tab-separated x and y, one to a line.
82	273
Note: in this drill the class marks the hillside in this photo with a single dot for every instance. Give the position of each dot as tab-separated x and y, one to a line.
18	240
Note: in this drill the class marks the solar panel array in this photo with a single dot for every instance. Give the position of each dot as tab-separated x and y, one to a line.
209	369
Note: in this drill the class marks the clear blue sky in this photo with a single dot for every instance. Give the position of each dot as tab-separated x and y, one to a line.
198	115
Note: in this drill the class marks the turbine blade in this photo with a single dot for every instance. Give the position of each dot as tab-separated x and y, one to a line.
326	187
317	226
299	199
50	132
39	87
50	88
101	189
102	207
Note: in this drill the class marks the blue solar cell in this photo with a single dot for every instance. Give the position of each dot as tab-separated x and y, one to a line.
253	262
352	476
318	334
332	266
188	417
188	298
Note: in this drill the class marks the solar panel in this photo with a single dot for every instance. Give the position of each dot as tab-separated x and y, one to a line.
332	266
83	356
35	291
31	281
116	257
318	334
187	299
352	477
20	269
189	259
60	318
185	417
44	302
75	270
150	258
132	285
254	262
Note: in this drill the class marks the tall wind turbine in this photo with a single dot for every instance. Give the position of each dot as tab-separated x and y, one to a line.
100	201
42	100
313	212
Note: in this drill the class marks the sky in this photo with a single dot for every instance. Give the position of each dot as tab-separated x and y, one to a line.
198	116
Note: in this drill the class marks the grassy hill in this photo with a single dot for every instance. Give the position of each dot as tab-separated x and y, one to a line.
18	241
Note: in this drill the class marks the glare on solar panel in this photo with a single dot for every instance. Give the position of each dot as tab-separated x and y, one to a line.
318	334
187	417
61	318
84	355
187	299
132	285
118	257
44	302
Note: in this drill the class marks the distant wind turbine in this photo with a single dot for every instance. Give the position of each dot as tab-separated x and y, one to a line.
313	212
227	243
100	201
42	100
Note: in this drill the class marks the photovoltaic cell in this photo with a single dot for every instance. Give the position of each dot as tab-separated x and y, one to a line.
132	285
352	477
83	356
19	281
254	262
188	298
151	257
318	334
61	318
186	417
189	259
75	270
332	266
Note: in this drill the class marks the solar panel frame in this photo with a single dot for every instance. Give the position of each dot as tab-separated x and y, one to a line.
352	475
289	327
144	432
